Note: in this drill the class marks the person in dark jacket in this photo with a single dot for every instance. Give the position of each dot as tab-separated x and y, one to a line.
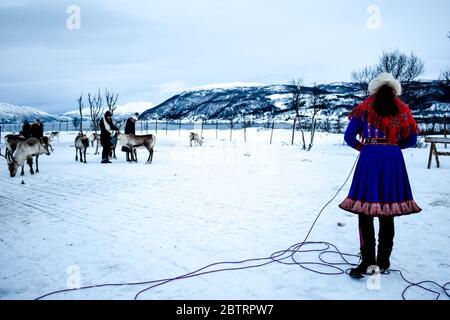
130	128
37	129
106	128
380	186
26	129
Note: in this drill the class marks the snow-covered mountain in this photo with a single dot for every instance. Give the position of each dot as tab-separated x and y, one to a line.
123	111
10	113
254	101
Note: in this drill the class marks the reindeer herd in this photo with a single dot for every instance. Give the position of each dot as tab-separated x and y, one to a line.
20	150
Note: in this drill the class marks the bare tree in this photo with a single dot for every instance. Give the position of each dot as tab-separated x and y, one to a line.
414	69
445	77
339	124
96	110
403	67
111	100
393	62
80	109
297	105
316	104
363	77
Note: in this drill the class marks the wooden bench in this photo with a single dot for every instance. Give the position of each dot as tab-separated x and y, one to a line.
433	149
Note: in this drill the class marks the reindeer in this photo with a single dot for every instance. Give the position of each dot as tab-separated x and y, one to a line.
196	138
25	151
11	142
95	138
53	135
81	144
114	139
133	141
46	141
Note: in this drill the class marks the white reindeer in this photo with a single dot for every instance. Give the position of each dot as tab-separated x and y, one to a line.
198	140
95	138
53	135
11	142
25	151
133	142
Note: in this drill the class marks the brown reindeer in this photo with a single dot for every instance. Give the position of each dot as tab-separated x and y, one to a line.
25	151
81	144
133	142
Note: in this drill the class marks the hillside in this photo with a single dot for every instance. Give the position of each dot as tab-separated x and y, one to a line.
262	101
10	113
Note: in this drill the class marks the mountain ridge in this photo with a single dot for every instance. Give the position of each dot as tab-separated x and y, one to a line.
426	98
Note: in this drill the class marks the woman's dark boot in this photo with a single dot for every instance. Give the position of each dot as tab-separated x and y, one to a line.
368	260
383	261
367	241
385	243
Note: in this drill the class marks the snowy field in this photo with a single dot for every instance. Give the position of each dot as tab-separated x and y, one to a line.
83	224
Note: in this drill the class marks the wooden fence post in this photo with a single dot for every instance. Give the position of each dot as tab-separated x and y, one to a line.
156	126
245	133
167	124
445	129
231	129
217	127
271	133
293	130
179	127
203	122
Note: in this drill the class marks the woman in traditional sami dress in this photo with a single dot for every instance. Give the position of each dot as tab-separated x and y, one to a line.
380	186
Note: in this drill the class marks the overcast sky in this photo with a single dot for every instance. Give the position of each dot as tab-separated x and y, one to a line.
151	50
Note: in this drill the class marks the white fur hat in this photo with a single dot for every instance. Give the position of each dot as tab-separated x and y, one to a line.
383	79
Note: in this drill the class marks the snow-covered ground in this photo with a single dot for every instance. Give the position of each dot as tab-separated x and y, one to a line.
82	224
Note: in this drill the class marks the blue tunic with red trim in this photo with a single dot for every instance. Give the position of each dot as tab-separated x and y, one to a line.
380	184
